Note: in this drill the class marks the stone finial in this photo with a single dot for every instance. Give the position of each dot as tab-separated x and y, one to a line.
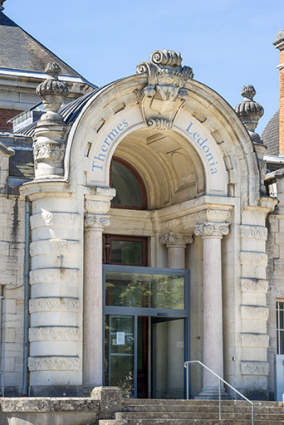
53	92
249	111
165	92
1	5
279	40
50	131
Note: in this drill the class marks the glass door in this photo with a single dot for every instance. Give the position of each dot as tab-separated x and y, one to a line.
146	330
119	353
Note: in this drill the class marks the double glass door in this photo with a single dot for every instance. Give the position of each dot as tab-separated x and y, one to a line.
146	331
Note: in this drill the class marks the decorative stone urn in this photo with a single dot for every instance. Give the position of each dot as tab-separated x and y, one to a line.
51	131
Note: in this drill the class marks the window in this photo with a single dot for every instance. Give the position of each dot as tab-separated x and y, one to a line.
125	250
130	188
280	326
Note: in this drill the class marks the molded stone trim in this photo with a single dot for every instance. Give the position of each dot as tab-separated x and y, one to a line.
254	285
55	219
55	246
253	258
254	312
60	275
53	304
255	232
254	368
59	363
254	340
54	333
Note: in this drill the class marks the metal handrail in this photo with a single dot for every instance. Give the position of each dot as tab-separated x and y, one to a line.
220	379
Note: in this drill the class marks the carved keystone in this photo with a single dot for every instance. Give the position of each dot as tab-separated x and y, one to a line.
165	92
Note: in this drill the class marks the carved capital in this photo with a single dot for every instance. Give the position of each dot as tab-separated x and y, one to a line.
96	221
210	229
177	240
165	92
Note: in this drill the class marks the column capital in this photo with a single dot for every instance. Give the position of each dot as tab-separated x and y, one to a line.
175	240
96	221
212	230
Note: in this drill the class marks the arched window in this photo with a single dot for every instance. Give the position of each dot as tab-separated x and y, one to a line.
130	188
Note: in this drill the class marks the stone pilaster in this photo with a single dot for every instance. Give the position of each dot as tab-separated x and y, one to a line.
96	219
212	233
254	312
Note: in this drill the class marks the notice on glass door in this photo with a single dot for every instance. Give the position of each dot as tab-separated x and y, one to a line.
120	338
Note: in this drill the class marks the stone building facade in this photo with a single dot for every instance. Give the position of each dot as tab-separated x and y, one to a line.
157	172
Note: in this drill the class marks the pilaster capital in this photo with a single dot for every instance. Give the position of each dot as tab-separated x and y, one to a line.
175	240
212	230
96	221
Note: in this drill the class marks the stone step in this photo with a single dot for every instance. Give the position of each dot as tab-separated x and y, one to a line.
195	415
188	422
194	408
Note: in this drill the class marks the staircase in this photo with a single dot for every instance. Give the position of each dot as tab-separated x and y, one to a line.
195	412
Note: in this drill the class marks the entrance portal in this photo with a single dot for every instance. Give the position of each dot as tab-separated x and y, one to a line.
146	330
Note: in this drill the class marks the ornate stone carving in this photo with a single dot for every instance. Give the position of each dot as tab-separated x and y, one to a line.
59	363
160	124
254	312
54	219
254	368
172	239
254	340
60	275
53	304
165	92
259	286
212	230
256	232
96	221
253	258
55	246
250	112
50	131
55	333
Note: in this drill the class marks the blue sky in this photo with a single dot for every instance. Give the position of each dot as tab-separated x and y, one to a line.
228	43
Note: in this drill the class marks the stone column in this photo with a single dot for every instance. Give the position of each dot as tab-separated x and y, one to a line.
96	207
176	244
212	234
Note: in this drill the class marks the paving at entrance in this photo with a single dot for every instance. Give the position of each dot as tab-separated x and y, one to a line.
197	412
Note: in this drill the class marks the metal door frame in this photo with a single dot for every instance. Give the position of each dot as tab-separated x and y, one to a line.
147	312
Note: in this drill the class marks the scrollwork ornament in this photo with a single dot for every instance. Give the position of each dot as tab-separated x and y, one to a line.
96	221
215	230
160	124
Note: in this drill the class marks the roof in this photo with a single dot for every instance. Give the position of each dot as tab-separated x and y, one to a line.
270	135
20	51
69	112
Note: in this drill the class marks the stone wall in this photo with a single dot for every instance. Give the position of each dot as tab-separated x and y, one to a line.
12	245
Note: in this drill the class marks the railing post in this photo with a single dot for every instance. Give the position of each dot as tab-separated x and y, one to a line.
187	381
220	413
252	414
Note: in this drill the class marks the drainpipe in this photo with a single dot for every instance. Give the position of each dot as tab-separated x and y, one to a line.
26	299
